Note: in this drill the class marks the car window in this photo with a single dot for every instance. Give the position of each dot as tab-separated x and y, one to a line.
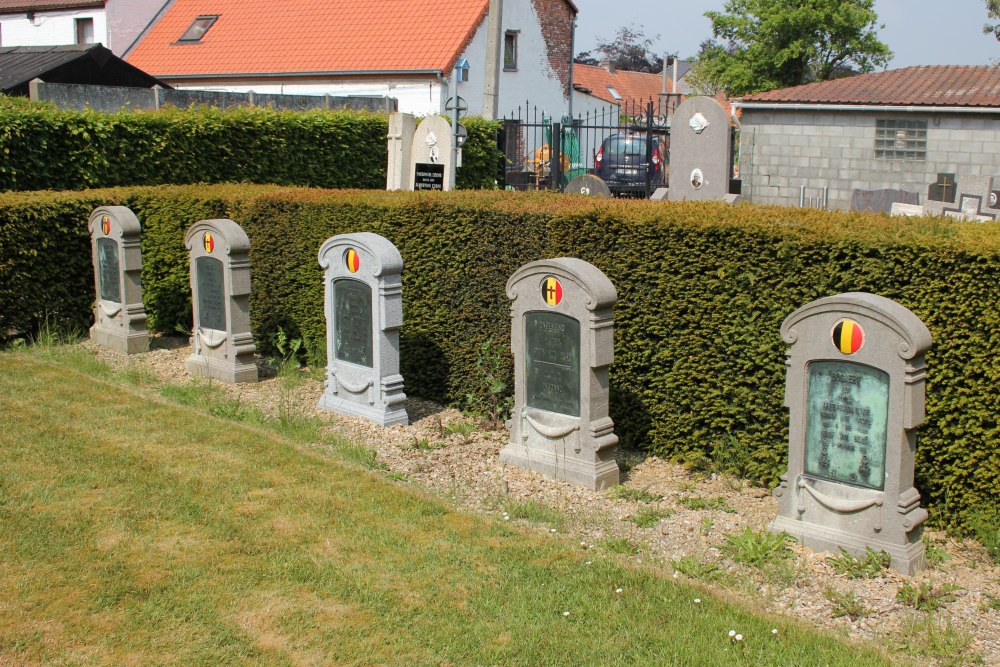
626	146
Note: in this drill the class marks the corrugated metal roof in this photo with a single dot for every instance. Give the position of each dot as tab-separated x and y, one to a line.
929	85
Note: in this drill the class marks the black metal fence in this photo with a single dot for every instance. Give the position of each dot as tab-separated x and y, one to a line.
627	146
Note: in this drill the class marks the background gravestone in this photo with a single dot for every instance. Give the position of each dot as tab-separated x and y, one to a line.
399	174
222	346
967	198
431	155
700	164
119	316
562	337
855	395
588	185
364	311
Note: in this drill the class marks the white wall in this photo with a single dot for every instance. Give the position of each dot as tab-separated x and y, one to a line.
534	81
126	19
49	28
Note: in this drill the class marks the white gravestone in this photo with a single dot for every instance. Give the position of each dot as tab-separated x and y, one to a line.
222	345
432	155
562	338
364	311
399	175
855	395
119	316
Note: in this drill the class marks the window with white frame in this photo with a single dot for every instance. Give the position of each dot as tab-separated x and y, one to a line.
901	139
85	31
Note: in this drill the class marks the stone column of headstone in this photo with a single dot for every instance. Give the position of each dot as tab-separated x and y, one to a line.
364	311
432	154
855	395
119	316
562	337
399	175
700	165
222	345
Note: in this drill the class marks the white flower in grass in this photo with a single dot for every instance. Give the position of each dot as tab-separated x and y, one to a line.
738	637
697	600
732	633
565	613
774	631
618	590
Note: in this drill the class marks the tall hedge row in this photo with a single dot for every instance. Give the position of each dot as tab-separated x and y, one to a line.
42	147
703	289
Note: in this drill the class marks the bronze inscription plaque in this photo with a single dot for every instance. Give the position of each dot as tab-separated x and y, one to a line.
848	407
211	293
352	322
552	362
108	272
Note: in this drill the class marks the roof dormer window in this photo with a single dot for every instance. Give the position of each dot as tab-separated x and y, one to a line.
198	28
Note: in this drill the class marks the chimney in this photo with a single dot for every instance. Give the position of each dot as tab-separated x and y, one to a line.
608	65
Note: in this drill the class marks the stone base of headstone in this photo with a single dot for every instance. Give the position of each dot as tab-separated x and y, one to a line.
242	369
559	456
660	194
732	199
909	210
907	558
391	411
131	342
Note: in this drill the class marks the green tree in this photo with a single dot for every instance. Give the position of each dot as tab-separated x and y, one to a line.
630	49
992	11
761	45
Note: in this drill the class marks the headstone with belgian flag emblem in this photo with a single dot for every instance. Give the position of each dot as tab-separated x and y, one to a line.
855	396
562	338
221	342
364	311
119	315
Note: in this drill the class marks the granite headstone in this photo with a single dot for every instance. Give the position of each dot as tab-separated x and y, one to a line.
119	315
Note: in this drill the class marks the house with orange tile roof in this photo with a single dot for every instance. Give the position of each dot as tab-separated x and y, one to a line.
113	23
405	49
898	130
597	87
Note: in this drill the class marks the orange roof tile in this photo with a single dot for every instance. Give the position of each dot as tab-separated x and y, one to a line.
938	85
310	36
634	87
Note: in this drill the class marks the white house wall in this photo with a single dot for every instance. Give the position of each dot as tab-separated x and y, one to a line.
126	19
781	151
49	28
535	81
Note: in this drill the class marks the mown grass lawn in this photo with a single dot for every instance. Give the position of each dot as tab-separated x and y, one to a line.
138	531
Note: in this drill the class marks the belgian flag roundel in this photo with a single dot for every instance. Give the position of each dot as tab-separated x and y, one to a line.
106	225
552	291
848	336
209	243
353	260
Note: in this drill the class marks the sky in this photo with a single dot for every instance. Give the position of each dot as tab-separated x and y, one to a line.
919	32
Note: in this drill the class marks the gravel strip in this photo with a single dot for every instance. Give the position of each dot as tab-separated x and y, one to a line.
466	469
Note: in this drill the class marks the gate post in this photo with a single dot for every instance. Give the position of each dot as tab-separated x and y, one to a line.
555	150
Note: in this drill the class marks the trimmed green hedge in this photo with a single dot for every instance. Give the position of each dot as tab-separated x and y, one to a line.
703	289
42	147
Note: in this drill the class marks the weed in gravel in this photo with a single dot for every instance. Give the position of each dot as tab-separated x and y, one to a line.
533	511
637	495
758	548
463	429
926	597
986	529
990	602
359	454
707	525
424	444
846	604
871	566
695	568
699	503
936	556
927	638
490	399
619	545
647	517
233	409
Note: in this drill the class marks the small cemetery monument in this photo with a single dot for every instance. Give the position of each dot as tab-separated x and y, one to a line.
119	316
399	175
855	395
700	161
222	346
562	337
432	155
364	311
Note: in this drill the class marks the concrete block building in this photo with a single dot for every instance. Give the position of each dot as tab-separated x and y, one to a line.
899	129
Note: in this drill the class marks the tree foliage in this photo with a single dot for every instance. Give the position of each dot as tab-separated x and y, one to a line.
993	11
630	49
761	45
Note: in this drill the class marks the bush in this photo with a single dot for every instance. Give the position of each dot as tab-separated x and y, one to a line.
702	291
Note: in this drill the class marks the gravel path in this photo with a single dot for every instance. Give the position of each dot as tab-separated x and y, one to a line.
466	469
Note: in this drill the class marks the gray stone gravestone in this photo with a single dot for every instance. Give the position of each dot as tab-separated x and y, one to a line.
399	175
364	311
855	395
119	316
700	164
588	185
222	346
562	337
432	155
967	198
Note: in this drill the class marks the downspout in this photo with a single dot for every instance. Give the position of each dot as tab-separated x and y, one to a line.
445	85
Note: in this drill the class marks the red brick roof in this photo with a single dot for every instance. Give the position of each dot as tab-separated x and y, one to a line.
937	85
634	87
301	36
43	5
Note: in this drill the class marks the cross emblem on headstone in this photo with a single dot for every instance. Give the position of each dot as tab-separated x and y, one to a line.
944	190
550	292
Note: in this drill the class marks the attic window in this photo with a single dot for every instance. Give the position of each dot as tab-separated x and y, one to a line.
510	50
614	93
198	28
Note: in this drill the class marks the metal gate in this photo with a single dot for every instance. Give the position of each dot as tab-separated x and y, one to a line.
626	146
